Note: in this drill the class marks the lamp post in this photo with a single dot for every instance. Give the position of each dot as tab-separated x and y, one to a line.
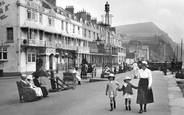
98	40
66	65
57	56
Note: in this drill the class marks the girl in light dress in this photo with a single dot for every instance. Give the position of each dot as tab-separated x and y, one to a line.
127	92
111	90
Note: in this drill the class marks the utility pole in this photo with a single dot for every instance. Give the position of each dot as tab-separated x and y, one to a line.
164	51
177	53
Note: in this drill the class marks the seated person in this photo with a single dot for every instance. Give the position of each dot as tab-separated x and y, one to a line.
26	90
179	74
44	89
31	85
107	70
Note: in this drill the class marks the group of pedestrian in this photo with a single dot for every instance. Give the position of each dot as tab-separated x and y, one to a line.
29	86
144	93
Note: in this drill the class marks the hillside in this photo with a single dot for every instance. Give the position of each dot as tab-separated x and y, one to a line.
147	29
148	33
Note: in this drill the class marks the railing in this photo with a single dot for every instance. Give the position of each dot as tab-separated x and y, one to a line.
60	45
70	47
32	42
50	44
83	49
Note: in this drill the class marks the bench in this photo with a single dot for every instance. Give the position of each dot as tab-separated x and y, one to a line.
25	94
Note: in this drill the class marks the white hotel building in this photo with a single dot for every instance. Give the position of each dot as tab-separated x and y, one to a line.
34	34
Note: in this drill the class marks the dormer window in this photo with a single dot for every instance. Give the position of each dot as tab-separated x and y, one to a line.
32	14
51	21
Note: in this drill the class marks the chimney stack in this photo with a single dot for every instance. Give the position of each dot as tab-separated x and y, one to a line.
88	17
53	2
82	14
70	9
94	20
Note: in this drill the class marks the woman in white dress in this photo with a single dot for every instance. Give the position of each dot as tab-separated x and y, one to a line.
77	75
135	69
145	94
31	84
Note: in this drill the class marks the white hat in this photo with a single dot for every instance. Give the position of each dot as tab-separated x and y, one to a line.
144	62
23	76
30	77
127	78
111	75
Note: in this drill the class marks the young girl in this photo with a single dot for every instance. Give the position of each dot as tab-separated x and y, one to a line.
127	92
111	90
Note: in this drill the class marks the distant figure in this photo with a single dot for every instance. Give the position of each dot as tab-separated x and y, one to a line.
165	68
135	69
107	70
77	75
84	70
172	66
179	74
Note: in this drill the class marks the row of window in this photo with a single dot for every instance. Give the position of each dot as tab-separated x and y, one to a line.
32	15
31	57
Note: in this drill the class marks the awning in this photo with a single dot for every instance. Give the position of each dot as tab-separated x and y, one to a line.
50	29
66	34
34	25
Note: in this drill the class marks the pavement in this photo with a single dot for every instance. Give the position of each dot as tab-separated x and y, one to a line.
167	95
176	99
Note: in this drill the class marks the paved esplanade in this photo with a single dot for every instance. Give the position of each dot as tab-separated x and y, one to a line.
86	99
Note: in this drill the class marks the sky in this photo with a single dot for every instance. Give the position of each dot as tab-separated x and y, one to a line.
168	15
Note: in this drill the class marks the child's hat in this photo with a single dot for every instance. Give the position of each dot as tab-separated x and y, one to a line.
127	78
111	75
144	62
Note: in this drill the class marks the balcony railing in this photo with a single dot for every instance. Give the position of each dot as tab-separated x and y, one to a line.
33	42
60	45
70	47
83	49
42	43
50	44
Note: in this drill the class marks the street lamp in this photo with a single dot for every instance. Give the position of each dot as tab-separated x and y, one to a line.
57	56
98	40
66	56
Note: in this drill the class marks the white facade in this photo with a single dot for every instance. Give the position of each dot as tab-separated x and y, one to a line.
9	55
32	33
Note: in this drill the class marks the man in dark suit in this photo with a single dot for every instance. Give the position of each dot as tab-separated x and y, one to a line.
172	66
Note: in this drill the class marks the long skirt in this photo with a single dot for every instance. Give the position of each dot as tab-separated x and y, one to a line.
144	94
29	94
44	91
38	91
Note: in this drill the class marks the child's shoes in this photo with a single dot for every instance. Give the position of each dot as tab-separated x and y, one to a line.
129	108
126	108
